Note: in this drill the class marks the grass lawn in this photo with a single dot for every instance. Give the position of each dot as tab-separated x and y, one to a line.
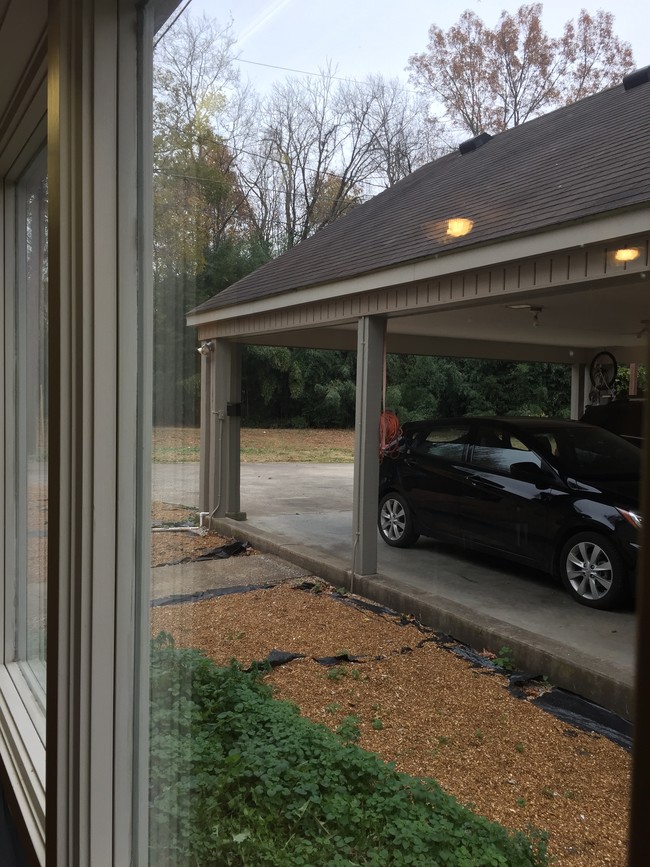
260	445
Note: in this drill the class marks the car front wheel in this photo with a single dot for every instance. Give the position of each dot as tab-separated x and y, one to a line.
396	522
592	570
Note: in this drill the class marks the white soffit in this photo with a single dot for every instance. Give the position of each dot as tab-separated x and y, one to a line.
576	236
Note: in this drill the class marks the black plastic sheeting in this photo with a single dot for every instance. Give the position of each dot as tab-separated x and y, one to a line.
565	706
585	715
220	553
202	595
279	657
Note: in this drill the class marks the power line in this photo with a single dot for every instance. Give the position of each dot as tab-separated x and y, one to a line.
247	153
316	74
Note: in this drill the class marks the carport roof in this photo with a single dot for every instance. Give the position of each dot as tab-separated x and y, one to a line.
579	162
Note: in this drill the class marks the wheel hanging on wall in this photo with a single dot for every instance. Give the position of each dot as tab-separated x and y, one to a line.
603	370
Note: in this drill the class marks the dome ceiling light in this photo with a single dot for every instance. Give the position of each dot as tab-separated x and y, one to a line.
459	226
627	254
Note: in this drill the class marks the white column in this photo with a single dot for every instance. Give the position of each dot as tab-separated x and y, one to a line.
225	461
370	364
206	450
579	389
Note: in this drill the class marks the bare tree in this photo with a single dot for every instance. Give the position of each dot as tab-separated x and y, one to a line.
326	145
492	79
403	136
197	95
597	59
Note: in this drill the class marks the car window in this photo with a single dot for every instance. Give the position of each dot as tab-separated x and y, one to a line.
596	453
447	442
497	450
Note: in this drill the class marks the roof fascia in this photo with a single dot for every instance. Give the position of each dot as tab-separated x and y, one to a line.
575	235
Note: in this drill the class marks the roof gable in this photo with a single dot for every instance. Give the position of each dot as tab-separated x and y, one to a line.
572	164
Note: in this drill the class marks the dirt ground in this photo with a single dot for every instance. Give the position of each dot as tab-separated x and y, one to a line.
418	705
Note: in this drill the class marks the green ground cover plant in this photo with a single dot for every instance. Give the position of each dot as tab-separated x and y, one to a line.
239	778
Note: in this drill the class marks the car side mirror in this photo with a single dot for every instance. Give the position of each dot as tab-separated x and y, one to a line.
528	471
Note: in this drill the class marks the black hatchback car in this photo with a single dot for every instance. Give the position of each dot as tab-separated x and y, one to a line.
561	496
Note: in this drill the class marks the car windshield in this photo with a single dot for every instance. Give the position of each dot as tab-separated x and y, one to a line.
589	452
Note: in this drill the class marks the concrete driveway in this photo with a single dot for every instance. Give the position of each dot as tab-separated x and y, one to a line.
303	512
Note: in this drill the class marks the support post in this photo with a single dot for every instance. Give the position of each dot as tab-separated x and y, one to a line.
207	380
371	333
579	389
225	427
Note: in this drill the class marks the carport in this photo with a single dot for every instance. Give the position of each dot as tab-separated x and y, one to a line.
533	244
530	245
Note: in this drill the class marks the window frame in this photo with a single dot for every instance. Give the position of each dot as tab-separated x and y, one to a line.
100	167
22	698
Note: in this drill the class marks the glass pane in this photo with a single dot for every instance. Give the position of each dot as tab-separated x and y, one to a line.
31	417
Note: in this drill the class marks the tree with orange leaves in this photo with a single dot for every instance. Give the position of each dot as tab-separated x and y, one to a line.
492	79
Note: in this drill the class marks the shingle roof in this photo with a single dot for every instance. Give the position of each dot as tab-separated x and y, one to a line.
577	162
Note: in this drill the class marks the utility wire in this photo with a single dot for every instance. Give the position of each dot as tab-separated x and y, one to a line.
317	74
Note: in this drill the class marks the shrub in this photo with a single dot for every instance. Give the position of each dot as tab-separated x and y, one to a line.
239	778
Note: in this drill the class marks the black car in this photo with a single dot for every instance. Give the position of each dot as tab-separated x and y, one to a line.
558	495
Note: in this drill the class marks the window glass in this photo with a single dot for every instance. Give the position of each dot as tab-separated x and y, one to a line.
447	443
591	452
31	426
497	451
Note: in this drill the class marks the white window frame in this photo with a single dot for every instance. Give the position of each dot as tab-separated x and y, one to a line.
22	697
100	278
84	800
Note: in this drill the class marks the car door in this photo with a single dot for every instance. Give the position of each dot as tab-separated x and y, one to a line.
434	477
507	511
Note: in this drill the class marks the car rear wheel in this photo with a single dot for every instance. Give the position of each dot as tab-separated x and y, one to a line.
396	522
592	570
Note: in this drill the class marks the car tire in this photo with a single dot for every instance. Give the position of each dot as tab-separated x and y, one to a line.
592	570
396	522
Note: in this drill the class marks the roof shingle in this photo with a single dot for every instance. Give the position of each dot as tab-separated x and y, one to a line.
574	163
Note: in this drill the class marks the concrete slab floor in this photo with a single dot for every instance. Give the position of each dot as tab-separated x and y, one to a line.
302	514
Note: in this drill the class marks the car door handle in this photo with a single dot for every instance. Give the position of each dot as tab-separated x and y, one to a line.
480	482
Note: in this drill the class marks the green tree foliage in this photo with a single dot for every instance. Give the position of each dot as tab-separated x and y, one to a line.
424	387
298	387
316	388
204	237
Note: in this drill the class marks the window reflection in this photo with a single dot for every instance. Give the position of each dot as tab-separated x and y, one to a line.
31	418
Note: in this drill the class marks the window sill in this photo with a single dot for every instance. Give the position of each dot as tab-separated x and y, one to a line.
22	752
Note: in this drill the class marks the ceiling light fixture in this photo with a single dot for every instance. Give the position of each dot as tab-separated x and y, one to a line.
459	226
535	310
206	347
627	254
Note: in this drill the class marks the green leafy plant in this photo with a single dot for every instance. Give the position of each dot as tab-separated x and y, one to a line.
333	707
348	729
239	778
505	658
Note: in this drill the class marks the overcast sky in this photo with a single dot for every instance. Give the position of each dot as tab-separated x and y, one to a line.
361	37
